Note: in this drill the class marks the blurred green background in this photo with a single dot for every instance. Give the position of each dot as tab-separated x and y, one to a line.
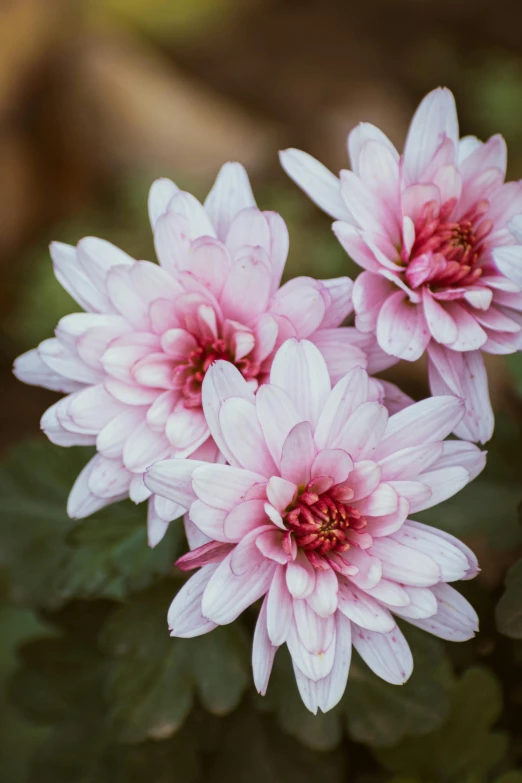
97	98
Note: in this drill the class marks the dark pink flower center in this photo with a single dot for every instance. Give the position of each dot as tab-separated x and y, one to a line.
320	522
189	374
447	252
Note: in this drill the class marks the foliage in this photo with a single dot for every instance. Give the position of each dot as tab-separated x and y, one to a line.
18	737
48	558
509	608
464	748
153	678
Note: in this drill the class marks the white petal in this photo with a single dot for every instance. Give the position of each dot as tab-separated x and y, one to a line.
82	502
172	479
160	194
323	600
362	433
422	603
263	652
230	193
364	610
298	454
300	370
443	483
435	118
312	665
456	620
184	616
72	277
29	368
387	654
317	182
223	486
452	562
424	422
315	632
473	567
222	381
277	416
108	478
244	437
279	608
405	565
346	396
227	595
300	576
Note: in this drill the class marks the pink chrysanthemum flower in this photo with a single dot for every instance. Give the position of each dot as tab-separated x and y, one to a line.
434	230
133	363
311	514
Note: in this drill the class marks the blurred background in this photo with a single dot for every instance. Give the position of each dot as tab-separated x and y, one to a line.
98	98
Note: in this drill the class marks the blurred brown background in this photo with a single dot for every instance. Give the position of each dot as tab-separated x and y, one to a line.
98	97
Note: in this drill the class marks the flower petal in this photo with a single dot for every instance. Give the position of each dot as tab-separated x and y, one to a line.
387	654
405	565
222	381
346	396
279	608
230	193
424	422
263	652
456	620
317	182
244	437
298	454
435	119
401	328
223	486
227	595
172	479
360	608
184	616
300	576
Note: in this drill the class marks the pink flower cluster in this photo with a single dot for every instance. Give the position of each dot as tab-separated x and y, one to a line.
211	390
439	235
311	514
134	362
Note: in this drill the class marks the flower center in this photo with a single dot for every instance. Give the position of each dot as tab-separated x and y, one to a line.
447	252
189	374
320	522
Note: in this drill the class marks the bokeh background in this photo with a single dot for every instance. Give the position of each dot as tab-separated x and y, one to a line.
98	98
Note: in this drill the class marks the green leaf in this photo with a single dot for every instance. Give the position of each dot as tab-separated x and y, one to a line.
380	714
153	678
176	760
487	508
18	737
58	673
515	366
253	751
465	748
50	559
59	685
509	608
510	777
